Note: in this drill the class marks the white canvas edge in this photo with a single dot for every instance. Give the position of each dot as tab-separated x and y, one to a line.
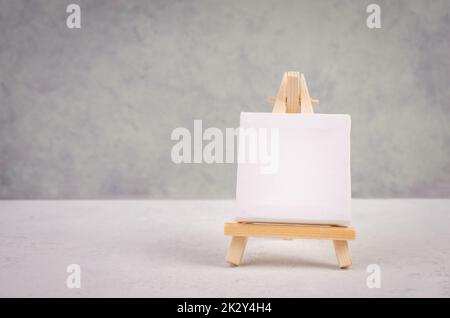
343	223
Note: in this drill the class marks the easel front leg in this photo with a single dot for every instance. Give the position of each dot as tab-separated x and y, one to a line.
236	250
342	254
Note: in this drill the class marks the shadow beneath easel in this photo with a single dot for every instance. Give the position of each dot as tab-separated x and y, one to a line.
194	251
290	262
175	251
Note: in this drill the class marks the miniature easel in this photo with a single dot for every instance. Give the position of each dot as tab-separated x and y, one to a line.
293	97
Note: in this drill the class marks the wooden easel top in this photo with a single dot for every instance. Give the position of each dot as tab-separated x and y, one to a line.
293	95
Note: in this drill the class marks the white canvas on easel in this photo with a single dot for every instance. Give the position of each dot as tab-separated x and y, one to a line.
312	182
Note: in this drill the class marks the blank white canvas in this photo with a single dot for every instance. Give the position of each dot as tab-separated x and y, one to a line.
312	184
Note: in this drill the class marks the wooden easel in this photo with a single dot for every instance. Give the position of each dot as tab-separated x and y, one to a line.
293	97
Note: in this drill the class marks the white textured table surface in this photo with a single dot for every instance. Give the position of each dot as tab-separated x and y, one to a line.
177	249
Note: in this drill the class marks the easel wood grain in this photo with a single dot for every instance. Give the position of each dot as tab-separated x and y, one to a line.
342	253
236	249
284	230
292	97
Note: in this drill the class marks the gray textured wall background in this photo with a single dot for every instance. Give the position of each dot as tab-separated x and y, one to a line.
88	113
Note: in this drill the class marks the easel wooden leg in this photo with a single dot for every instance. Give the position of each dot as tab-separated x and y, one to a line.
342	253
236	250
